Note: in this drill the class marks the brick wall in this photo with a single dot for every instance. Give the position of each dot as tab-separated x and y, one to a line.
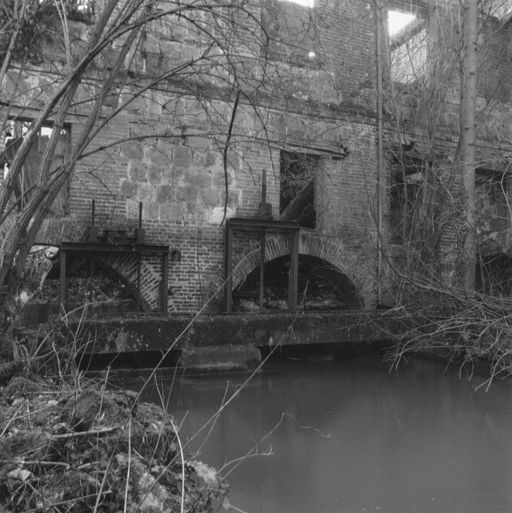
173	157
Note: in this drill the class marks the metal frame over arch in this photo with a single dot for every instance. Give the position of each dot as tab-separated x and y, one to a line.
263	227
95	250
357	269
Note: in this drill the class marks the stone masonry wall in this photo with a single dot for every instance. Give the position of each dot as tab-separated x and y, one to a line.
172	159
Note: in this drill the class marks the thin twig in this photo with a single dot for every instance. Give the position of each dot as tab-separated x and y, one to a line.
127	486
94	432
182	456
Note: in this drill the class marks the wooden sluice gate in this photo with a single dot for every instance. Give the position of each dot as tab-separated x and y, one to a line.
119	242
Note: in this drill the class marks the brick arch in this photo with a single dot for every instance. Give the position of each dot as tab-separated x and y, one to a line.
126	267
310	244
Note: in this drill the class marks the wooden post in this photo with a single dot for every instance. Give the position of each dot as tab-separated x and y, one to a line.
262	266
93	233
265	210
138	279
228	265
62	278
293	284
165	283
91	275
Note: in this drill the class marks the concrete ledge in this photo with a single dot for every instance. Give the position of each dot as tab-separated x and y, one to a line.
220	357
260	330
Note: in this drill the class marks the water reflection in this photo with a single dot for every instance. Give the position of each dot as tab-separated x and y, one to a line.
355	438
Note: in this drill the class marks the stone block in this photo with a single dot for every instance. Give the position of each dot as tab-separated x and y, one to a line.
233	159
188	53
158	157
199	158
155	175
210	196
198	177
211	158
172	211
165	193
219	179
196	141
138	173
132	209
128	188
146	193
185	194
233	198
182	156
132	150
150	210
167	212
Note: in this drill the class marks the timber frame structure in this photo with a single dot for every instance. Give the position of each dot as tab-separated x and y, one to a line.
262	228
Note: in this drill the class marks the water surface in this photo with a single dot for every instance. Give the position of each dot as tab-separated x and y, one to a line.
343	437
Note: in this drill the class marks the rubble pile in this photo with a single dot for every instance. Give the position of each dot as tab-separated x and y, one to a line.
84	448
83	290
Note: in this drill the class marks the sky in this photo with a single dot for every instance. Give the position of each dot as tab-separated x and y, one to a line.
398	20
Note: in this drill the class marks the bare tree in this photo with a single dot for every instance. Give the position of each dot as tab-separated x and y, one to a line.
468	133
446	180
130	53
87	66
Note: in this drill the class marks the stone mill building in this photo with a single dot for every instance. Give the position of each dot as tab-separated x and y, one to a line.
275	131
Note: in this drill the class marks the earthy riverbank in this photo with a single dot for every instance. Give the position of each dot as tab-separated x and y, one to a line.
80	448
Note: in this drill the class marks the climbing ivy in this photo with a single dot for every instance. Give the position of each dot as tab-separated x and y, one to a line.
35	22
31	21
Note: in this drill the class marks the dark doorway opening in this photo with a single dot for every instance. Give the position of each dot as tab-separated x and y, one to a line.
321	287
297	192
494	274
89	282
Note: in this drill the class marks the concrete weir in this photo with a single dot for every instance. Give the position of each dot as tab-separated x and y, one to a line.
237	340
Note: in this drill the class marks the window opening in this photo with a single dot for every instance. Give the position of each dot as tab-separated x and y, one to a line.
398	21
14	133
80	10
77	10
494	274
304	3
406	196
297	187
491	200
408	46
291	27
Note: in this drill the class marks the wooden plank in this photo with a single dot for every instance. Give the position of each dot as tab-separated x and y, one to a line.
139	258
99	247
165	283
297	205
62	280
293	284
262	267
91	276
251	224
228	265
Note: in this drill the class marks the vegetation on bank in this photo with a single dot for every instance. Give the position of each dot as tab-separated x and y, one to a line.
71	445
467	327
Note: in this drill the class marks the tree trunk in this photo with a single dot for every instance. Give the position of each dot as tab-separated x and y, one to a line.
468	135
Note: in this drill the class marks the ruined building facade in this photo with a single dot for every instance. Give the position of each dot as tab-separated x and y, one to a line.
290	94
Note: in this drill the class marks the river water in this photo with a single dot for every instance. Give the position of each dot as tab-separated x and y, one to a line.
349	436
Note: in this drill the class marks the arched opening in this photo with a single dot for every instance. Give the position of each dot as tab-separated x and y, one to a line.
494	274
90	283
321	287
